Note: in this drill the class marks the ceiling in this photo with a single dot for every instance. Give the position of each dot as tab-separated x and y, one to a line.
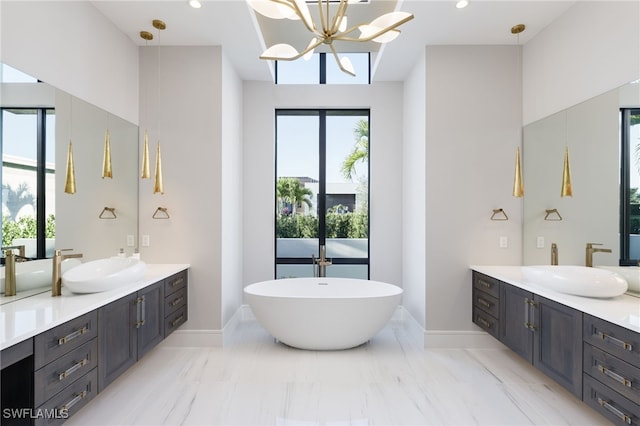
244	34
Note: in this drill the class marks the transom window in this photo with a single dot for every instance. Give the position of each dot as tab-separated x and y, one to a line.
321	68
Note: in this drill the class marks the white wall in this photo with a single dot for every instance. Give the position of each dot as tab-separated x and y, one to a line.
232	200
473	126
414	192
385	101
73	47
593	48
188	120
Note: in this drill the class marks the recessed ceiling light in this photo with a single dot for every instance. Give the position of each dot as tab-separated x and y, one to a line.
462	4
195	4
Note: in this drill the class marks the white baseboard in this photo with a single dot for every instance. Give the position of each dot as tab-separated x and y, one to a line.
423	338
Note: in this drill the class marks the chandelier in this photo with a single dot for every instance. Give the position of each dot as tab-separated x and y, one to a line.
331	28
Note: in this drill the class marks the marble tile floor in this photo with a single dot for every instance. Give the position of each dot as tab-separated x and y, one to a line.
388	381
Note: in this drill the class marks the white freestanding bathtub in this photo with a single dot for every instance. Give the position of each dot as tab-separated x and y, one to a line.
323	313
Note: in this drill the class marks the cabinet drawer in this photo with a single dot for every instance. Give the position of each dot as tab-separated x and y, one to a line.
175	320
486	322
69	401
55	376
611	371
175	301
611	338
610	404
56	342
487	303
175	282
486	284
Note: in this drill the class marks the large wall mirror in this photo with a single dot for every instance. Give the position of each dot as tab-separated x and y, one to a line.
591	131
32	111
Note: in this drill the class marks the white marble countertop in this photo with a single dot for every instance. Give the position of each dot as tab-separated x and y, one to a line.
622	310
25	318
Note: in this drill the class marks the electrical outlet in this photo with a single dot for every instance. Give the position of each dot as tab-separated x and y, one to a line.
504	242
145	241
130	241
540	242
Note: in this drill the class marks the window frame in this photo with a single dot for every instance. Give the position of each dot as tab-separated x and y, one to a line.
322	72
322	114
625	187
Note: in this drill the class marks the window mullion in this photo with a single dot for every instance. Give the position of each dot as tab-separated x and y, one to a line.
41	219
322	185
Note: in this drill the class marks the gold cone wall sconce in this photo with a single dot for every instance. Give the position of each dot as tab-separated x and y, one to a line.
106	158
518	186
567	189
158	187
70	180
145	157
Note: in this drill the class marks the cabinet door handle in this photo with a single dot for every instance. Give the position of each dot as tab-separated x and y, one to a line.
613	410
617	342
484	303
77	398
78	365
140	314
177	282
71	336
527	313
615	376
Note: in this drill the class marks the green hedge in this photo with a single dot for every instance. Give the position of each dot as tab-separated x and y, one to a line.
25	227
339	225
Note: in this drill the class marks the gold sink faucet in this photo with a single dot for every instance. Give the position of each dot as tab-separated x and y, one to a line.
56	274
554	254
9	273
590	250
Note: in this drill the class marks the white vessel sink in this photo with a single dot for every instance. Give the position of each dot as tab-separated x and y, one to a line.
576	280
631	274
35	273
103	274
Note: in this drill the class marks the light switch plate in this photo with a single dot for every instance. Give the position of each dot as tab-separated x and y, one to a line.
540	242
504	242
145	241
130	241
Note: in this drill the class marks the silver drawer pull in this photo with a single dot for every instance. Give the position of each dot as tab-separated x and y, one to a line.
177	320
485	284
177	301
72	369
613	410
484	322
618	378
71	336
77	398
618	342
484	303
177	282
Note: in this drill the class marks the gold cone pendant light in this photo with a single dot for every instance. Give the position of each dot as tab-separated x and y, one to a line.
518	186
106	158
145	157
70	181
333	27
567	189
158	187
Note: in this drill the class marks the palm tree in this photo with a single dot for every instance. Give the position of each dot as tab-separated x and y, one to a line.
360	153
290	191
17	198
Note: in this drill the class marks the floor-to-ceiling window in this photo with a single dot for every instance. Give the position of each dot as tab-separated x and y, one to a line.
322	192
629	186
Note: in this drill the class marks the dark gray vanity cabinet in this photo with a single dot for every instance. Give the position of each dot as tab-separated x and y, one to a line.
545	333
175	302
129	328
612	370
16	392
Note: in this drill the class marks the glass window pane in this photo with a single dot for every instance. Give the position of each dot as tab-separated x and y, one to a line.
360	62
299	71
297	178
19	144
50	181
634	183
347	175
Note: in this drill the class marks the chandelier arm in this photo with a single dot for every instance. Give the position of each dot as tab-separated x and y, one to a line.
378	34
340	14
341	38
335	55
293	58
323	24
298	12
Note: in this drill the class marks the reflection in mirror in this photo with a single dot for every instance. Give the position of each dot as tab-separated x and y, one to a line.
35	211
591	131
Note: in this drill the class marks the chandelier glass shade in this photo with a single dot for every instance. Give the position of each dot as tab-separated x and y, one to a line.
331	27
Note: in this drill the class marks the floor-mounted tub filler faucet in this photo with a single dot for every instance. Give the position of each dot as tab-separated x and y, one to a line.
320	264
554	254
590	250
56	274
